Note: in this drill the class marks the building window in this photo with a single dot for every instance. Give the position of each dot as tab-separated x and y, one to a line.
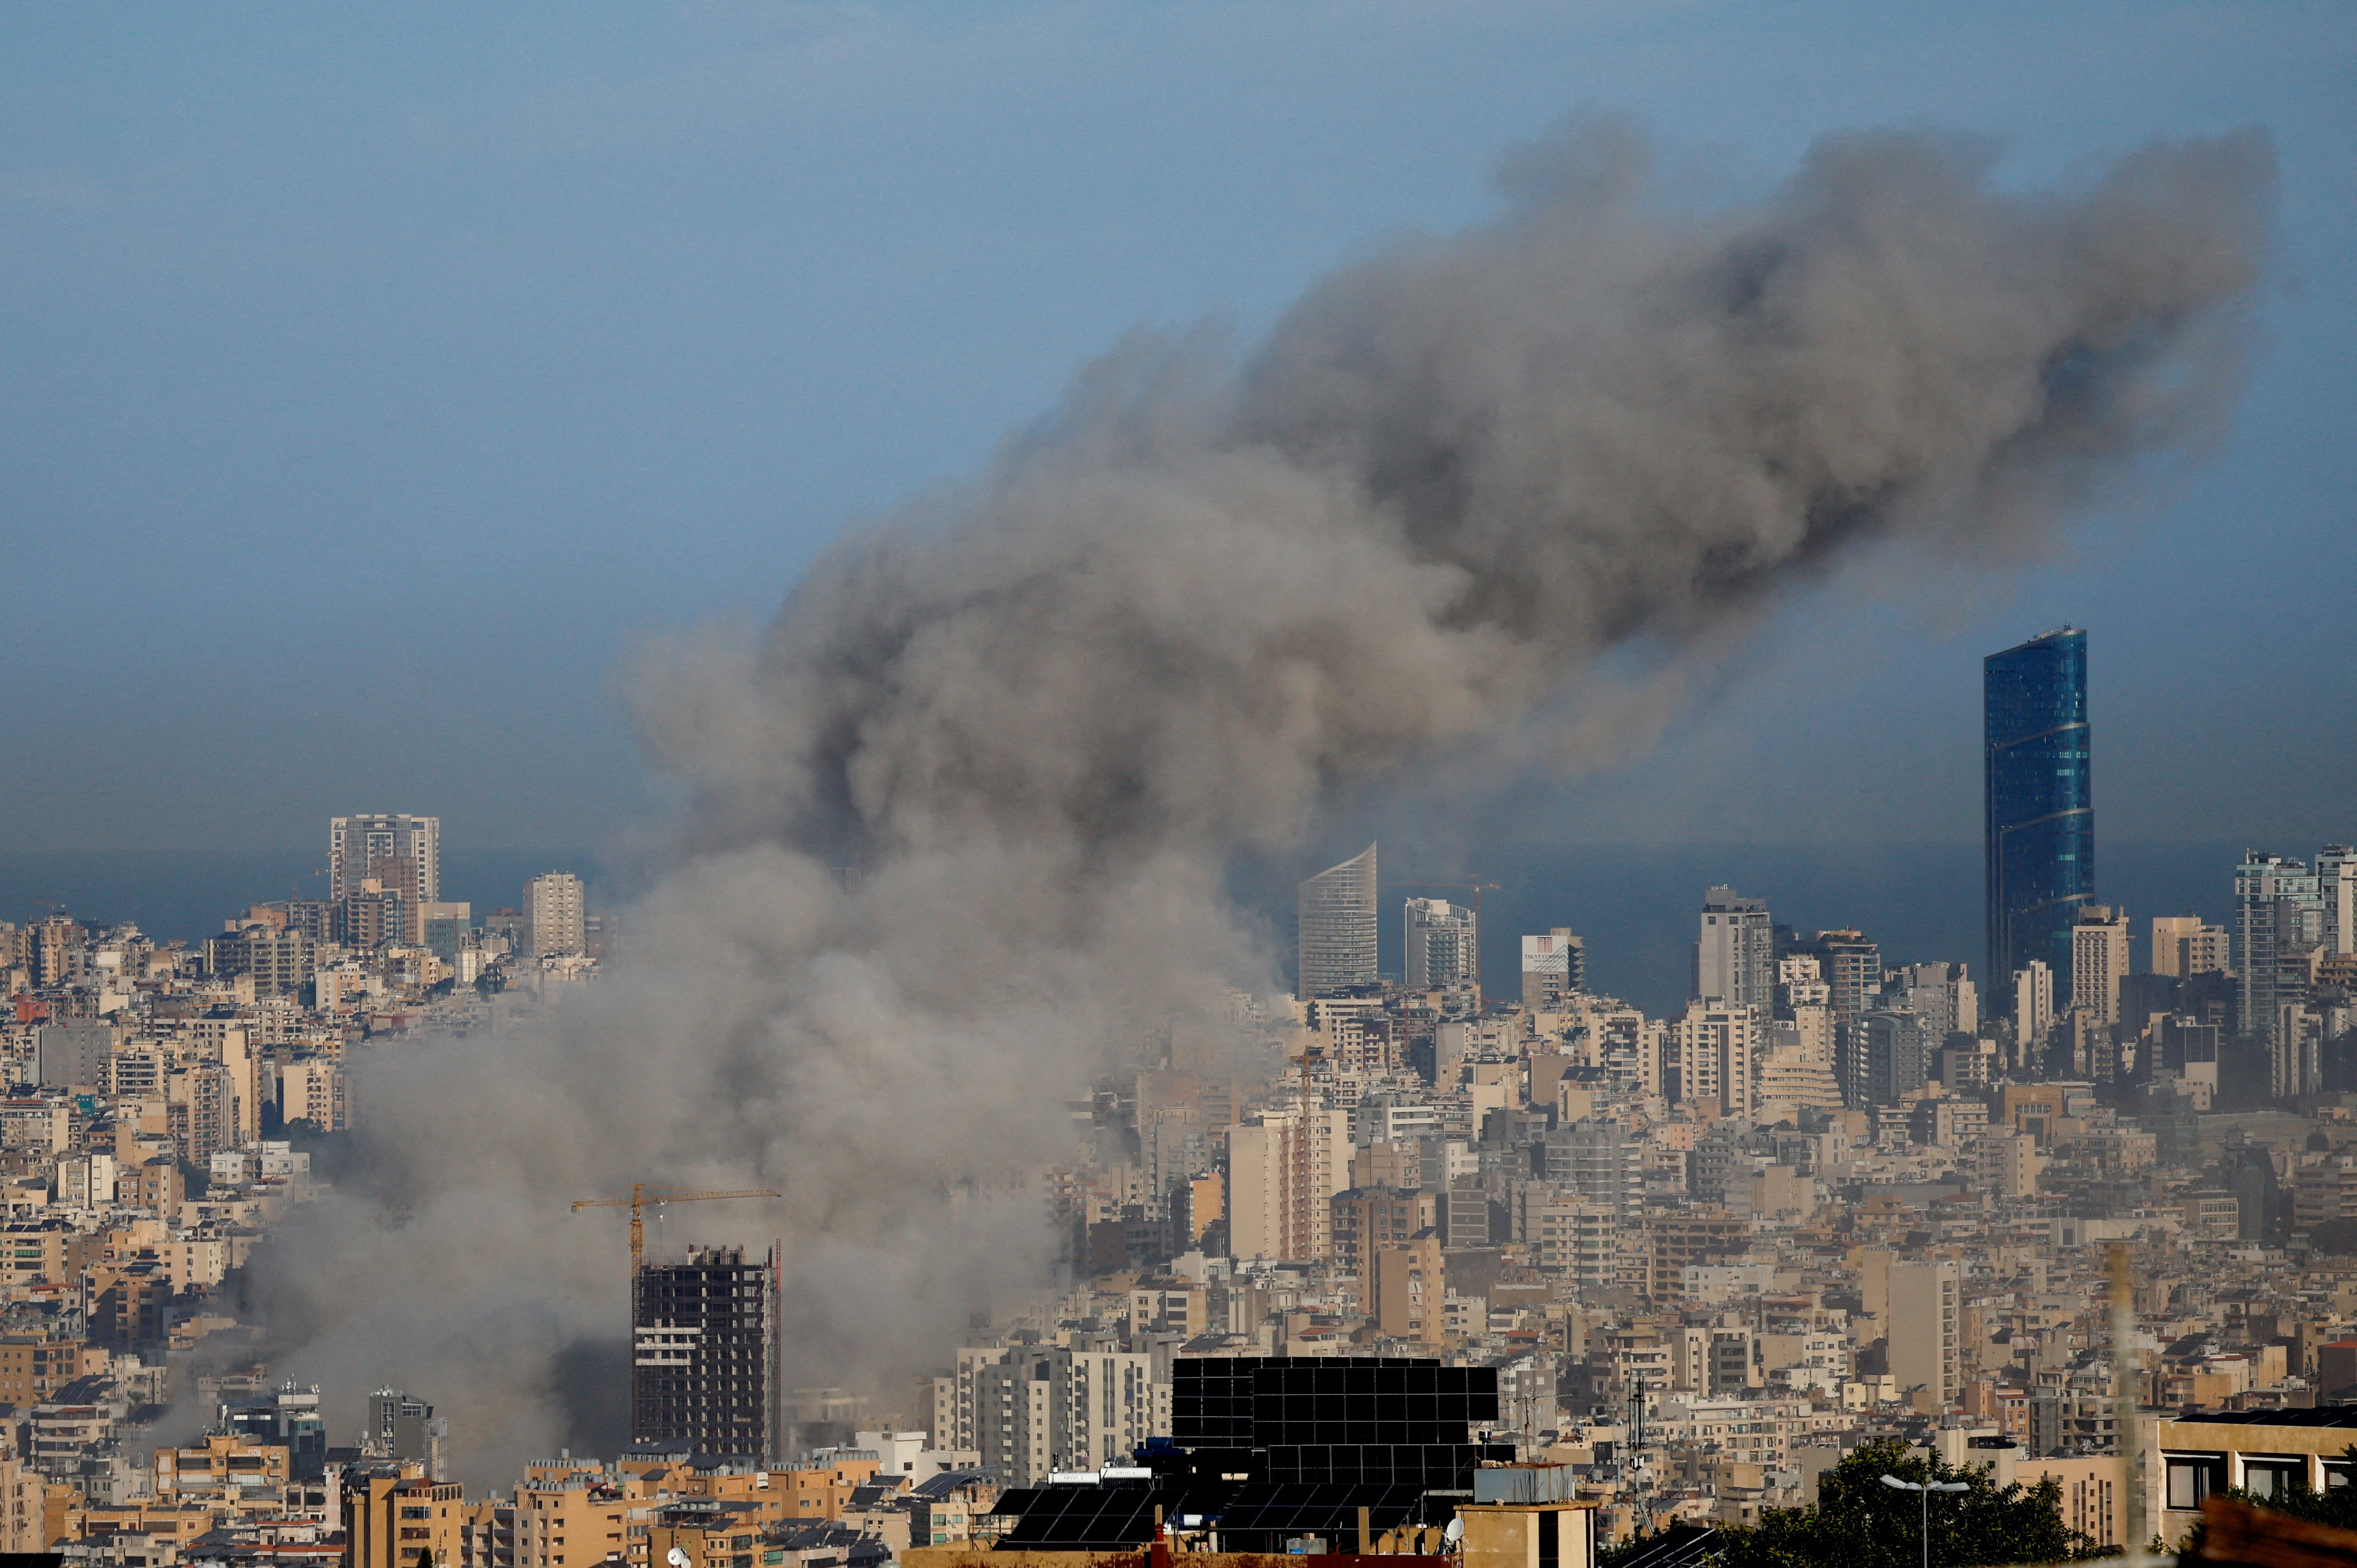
2273	1477
2193	1476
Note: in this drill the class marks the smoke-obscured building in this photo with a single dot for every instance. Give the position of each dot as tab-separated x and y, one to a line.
1038	1410
287	1417
400	1427
554	913
1337	939
2040	849
702	1373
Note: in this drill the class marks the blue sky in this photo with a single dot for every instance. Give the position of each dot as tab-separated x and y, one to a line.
375	377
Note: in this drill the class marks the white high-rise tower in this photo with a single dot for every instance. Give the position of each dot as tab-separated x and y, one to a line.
1337	937
1442	944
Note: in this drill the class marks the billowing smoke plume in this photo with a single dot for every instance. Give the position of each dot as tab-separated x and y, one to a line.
1170	622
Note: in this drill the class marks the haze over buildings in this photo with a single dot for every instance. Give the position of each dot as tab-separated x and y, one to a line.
914	712
947	953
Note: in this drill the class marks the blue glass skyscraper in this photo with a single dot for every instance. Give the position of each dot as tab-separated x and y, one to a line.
2040	804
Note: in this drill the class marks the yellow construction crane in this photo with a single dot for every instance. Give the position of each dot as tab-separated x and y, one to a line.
643	1197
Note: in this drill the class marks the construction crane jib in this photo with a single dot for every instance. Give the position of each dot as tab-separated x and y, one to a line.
643	1198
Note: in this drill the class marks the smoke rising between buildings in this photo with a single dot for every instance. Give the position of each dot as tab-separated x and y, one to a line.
1209	591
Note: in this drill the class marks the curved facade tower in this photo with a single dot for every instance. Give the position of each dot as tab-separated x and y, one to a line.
2041	805
1337	931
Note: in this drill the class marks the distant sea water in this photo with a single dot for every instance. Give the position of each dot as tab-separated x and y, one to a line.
189	895
1636	905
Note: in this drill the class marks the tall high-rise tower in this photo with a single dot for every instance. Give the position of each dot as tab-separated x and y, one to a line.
1443	944
554	913
1735	955
402	852
1337	940
2279	919
2336	884
2040	802
702	1349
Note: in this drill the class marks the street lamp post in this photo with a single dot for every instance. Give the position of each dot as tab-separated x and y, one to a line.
1637	1452
1926	1488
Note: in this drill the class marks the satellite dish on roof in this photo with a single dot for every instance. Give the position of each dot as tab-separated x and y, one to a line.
676	1558
1454	1533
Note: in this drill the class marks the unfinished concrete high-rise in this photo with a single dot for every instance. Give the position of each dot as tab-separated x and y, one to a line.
702	1354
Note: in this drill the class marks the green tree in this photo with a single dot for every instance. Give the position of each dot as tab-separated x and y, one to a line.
425	1557
1859	1522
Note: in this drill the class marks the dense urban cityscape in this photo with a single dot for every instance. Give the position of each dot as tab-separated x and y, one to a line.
1343	1264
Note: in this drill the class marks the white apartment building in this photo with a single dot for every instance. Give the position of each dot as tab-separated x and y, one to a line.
1030	1411
2099	960
1712	1048
555	913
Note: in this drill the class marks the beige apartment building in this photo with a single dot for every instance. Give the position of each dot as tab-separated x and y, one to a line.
393	1514
1282	1172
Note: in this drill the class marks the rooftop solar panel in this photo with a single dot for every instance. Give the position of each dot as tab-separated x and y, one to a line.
1328	1401
1678	1547
2321	1416
1073	1517
1261	1517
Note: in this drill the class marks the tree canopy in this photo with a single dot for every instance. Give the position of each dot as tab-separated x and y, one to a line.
1859	1523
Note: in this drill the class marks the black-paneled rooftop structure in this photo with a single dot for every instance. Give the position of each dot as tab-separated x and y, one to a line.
1269	1449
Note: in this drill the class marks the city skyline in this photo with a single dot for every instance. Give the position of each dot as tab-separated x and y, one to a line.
1266	719
1924	900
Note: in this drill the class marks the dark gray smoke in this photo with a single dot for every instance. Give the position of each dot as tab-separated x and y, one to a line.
1172	620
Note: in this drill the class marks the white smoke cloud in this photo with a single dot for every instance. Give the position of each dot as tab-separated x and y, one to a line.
1206	593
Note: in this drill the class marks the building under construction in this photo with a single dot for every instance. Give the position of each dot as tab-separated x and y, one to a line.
702	1354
